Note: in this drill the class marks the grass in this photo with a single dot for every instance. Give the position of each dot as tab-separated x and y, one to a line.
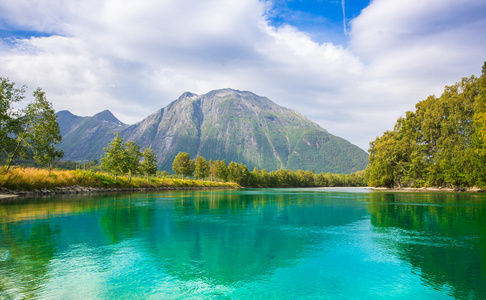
29	179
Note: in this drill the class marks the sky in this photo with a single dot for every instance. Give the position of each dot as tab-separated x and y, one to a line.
353	67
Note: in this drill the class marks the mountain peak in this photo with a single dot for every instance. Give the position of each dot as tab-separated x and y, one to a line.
108	116
65	113
188	95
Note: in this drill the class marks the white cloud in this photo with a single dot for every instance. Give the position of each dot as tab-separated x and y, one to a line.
134	57
413	48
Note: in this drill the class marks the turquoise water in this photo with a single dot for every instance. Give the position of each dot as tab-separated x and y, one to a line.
245	244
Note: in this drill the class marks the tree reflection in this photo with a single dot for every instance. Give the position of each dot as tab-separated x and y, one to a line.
122	218
25	253
441	235
227	238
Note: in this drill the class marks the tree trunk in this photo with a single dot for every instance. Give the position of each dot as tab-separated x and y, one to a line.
8	167
9	162
129	175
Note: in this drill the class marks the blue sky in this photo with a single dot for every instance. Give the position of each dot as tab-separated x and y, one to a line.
353	76
324	20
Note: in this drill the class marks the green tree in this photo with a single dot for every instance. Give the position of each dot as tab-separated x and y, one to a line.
132	159
239	173
212	170
478	145
121	158
114	157
201	169
183	165
9	117
221	170
45	133
148	166
441	143
38	133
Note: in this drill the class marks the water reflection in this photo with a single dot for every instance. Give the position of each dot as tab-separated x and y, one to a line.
128	244
234	237
442	236
219	237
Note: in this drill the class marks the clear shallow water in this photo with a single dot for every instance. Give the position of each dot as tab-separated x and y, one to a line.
240	244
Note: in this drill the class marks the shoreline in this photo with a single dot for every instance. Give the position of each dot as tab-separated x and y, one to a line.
6	194
430	189
76	189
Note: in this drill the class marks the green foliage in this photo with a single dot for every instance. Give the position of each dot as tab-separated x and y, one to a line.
112	161
441	143
132	158
121	158
220	170
183	165
9	117
148	166
201	168
44	133
30	132
239	173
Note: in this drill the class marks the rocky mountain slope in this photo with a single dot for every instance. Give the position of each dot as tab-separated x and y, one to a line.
83	138
222	124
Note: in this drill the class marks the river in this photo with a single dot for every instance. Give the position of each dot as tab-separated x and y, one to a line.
247	243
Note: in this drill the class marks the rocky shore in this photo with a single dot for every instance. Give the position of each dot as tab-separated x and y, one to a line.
76	189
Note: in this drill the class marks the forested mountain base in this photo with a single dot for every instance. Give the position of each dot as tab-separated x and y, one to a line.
442	143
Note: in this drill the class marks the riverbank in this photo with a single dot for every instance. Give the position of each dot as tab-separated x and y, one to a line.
431	189
39	182
8	194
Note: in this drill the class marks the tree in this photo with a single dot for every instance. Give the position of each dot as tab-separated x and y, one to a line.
478	147
183	165
113	160
35	132
132	159
221	170
201	169
148	166
238	173
9	122
121	158
212	170
441	143
45	132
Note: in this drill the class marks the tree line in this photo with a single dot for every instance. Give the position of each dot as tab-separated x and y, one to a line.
219	170
28	133
441	143
122	158
126	158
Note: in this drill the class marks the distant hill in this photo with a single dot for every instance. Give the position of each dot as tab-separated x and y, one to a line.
83	138
222	124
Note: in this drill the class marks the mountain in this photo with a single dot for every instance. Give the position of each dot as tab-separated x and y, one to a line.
222	124
83	138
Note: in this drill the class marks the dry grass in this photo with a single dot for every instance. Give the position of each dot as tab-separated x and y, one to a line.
37	179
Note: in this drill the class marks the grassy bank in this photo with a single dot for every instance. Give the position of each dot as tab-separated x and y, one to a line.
29	179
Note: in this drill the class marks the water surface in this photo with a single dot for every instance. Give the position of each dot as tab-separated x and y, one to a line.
250	243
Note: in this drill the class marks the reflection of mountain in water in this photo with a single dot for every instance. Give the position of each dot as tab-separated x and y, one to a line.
206	239
442	236
221	237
